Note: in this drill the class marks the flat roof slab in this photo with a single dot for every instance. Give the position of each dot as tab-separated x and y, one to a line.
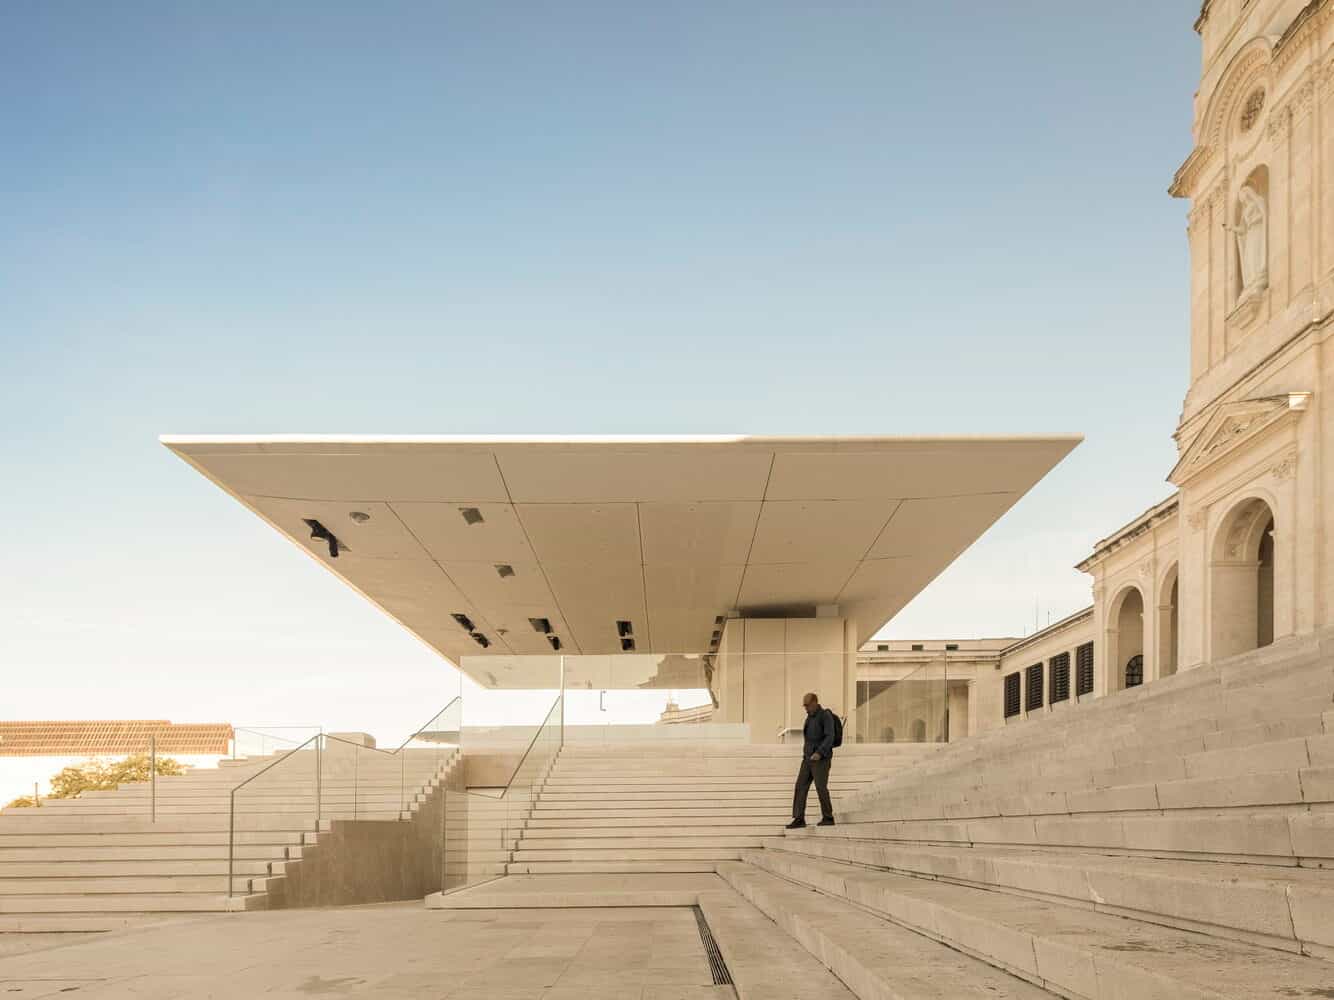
667	533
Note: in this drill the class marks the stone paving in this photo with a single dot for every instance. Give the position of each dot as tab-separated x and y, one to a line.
392	951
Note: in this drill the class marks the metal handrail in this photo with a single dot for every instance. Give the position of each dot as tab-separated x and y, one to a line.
231	809
532	743
318	740
559	703
402	777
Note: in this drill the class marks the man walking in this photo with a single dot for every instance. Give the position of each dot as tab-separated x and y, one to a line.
819	734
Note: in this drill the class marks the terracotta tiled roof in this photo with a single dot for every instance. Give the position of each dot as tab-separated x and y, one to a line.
67	738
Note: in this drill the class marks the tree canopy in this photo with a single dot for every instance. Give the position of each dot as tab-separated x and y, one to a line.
102	775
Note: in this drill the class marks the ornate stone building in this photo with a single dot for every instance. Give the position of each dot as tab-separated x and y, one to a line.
1242	555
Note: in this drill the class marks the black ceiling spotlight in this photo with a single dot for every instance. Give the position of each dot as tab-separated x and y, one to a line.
318	530
555	642
542	625
480	639
624	628
464	621
471	515
627	645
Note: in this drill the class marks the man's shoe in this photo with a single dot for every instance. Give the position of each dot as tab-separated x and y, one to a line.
796	824
827	821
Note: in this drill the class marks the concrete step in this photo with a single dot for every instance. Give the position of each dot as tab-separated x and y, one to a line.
590	853
176	902
167	838
137	852
18	871
876	959
18	889
538	825
1287	908
1075	952
1272	837
608	867
724	840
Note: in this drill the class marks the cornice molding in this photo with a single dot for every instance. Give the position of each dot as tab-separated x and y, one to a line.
1303	27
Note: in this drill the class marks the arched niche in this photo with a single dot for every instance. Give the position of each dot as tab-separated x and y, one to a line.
1125	635
1241	580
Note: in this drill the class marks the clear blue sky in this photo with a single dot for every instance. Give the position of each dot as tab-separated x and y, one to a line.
944	217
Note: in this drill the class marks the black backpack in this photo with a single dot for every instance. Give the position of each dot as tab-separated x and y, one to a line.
838	728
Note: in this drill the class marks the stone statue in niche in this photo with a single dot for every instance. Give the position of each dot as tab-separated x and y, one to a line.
1252	241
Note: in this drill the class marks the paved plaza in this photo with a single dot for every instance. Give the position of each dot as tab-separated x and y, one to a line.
389	951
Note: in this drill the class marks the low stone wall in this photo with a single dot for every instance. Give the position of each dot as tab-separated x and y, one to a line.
370	861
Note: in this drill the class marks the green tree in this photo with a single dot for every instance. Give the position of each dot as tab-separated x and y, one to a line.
97	775
22	802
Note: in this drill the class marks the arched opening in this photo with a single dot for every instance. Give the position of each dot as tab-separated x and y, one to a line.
1242	580
1126	639
1134	675
1169	623
919	730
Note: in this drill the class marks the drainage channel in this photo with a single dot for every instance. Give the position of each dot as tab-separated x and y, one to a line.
721	977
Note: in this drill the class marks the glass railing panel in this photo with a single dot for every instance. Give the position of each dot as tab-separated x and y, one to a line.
482	825
279	794
264	740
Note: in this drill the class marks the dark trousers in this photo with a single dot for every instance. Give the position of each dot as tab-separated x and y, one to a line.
817	771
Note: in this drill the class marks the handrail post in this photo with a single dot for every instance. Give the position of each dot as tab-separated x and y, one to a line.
319	779
231	841
152	769
562	700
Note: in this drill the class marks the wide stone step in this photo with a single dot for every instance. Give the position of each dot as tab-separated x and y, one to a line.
138	852
167	838
1073	951
1289	908
726	839
537	825
876	959
591	853
183	902
16	889
16	871
608	867
1273	837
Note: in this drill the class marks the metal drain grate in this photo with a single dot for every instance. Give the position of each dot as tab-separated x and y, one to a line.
721	977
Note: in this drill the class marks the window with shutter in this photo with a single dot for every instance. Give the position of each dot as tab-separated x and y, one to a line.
1084	669
1033	687
1011	695
1058	670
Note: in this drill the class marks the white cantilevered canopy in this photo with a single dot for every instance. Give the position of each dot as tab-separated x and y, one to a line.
668	534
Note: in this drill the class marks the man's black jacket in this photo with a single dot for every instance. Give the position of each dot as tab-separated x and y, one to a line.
818	733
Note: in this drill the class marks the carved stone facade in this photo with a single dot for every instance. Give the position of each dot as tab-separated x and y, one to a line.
1254	560
1242	555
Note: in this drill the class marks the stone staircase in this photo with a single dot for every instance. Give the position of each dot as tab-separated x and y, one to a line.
1175	840
664	808
88	858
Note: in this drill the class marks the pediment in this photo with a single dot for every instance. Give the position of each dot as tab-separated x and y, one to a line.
1231	425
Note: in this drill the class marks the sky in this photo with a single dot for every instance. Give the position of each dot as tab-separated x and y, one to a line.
739	217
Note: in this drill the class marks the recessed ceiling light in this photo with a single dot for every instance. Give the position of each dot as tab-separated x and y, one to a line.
504	569
542	625
624	628
463	621
360	516
471	515
627	645
555	642
480	639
